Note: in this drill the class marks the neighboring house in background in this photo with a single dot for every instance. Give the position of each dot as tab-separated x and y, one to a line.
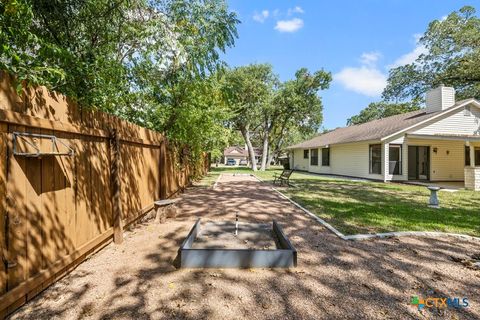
234	153
438	143
239	154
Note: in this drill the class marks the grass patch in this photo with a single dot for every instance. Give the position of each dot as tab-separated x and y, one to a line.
366	207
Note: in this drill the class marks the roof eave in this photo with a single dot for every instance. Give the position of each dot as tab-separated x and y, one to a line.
404	130
339	143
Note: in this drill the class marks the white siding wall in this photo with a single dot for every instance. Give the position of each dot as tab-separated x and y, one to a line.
440	98
320	168
444	166
349	160
457	124
298	162
353	159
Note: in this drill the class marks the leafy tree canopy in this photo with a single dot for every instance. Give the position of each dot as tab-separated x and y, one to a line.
96	51
379	110
148	61
452	58
268	111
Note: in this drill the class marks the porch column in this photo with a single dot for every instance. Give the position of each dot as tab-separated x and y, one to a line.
472	173
386	160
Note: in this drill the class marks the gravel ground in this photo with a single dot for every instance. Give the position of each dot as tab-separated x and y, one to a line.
221	235
334	279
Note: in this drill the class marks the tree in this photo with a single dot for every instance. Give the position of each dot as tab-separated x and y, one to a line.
248	91
97	51
148	61
297	110
379	110
452	58
274	112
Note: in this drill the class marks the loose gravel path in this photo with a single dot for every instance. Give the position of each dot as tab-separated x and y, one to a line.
335	279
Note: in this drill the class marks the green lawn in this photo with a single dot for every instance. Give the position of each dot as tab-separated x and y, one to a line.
363	207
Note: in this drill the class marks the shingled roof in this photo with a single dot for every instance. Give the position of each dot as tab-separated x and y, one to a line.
373	130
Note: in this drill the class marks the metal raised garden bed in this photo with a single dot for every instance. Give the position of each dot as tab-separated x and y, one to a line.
210	253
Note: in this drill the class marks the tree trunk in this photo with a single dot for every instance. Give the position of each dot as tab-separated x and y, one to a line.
270	157
251	152
264	152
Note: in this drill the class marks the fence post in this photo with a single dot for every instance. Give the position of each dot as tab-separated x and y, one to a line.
116	188
163	170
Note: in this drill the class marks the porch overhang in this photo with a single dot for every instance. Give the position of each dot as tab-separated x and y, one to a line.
443	137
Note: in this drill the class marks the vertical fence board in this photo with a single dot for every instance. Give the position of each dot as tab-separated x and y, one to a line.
82	178
58	206
17	220
70	199
3	203
162	164
33	204
48	202
60	187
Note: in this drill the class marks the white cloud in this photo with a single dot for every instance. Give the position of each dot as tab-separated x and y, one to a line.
370	58
296	9
411	56
365	80
291	25
262	16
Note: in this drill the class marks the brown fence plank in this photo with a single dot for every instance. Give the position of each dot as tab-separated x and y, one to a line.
33	205
17	220
50	230
16	293
59	197
9	100
70	199
3	204
61	206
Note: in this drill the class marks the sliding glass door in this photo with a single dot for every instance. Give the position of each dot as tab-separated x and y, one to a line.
395	159
418	163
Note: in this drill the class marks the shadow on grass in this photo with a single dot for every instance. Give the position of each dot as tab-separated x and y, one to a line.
355	207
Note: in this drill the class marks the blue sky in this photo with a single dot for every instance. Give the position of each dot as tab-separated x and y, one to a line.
358	41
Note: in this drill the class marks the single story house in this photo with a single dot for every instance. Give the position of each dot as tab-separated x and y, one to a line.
238	154
438	143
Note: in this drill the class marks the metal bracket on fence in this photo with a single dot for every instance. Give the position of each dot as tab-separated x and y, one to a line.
38	153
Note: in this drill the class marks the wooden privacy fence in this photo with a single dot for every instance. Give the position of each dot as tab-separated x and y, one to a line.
59	207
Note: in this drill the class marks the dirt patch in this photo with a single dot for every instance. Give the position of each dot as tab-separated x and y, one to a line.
372	279
221	235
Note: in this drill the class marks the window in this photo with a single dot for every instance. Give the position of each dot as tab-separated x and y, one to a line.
305	154
376	158
477	157
314	157
395	159
325	157
467	156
